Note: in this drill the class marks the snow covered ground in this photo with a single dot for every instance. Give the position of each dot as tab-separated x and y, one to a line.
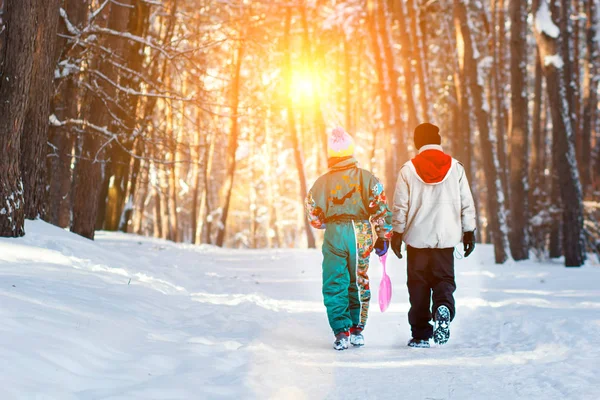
127	317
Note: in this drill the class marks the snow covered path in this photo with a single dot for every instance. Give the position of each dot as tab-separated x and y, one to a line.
136	318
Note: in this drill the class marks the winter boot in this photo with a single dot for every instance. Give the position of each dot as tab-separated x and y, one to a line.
441	334
418	343
356	337
341	341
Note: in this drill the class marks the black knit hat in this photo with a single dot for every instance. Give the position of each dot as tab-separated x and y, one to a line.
427	134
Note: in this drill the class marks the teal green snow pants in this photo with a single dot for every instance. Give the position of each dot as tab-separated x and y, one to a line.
346	250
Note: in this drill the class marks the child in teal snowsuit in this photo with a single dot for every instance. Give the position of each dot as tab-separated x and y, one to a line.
345	202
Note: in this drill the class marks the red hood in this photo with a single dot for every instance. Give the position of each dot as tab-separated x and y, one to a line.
432	165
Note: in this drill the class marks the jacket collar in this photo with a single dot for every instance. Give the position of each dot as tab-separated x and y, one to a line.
431	147
341	163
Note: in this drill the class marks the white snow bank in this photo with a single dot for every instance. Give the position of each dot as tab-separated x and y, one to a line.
127	317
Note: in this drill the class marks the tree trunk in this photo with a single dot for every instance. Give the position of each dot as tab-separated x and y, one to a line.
62	138
104	187
395	151
232	144
407	51
253	195
197	161
273	236
499	80
554	60
384	102
17	54
127	214
539	192
34	138
312	60
563	19
590	93
489	150
348	84
88	183
310	238
117	166
519	133
206	231
173	178
119	197
537	165
419	55
141	200
158	208
555	248
462	143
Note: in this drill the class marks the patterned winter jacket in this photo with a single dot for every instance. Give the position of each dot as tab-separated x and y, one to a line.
348	193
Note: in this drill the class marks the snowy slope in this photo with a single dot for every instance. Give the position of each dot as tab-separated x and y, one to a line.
127	317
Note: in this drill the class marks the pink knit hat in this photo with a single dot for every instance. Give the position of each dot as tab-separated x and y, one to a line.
340	144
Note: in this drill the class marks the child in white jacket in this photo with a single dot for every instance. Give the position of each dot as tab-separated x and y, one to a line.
433	211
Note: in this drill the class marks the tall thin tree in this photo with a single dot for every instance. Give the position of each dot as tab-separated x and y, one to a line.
519	133
232	143
590	92
489	145
553	58
296	144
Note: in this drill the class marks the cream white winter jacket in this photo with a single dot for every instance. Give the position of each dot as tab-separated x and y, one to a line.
433	215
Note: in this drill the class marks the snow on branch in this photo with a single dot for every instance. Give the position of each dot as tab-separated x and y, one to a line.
98	11
133	92
544	23
112	137
54	121
93	29
70	27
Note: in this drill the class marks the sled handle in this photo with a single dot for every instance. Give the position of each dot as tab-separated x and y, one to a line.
383	260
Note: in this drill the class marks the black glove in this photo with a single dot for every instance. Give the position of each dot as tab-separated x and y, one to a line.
397	244
469	242
381	246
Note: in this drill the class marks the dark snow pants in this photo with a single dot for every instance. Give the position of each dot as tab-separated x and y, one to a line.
429	270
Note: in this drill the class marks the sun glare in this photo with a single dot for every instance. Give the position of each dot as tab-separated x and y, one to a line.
303	87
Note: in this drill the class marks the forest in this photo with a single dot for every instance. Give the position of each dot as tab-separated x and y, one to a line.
204	121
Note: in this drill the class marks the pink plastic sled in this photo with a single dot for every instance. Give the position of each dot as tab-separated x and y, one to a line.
385	287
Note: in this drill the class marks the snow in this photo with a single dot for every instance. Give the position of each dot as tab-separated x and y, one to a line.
53	120
70	27
483	67
543	21
128	317
555	60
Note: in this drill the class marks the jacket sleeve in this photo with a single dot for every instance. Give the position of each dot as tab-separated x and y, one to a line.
468	213
314	213
381	216
401	202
